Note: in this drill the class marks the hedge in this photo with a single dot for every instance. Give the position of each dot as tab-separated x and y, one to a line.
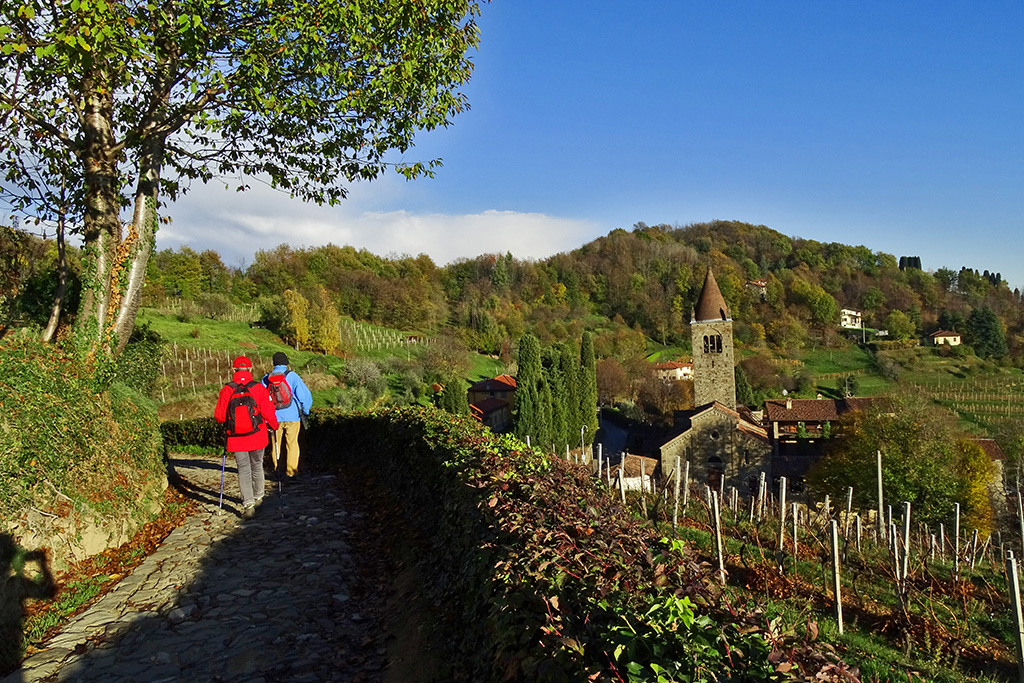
538	572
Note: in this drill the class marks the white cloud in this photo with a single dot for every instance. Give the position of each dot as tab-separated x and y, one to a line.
236	225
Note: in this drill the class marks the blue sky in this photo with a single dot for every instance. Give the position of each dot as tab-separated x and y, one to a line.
893	125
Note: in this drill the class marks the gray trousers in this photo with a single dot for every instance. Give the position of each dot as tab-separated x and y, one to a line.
250	475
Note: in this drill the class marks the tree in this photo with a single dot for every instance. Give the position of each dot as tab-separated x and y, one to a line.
297	324
327	332
588	387
924	460
612	382
528	402
453	397
900	326
986	334
117	104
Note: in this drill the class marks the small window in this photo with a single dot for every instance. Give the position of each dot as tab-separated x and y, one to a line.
715	435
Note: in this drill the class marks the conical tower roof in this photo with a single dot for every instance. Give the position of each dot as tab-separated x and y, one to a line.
710	303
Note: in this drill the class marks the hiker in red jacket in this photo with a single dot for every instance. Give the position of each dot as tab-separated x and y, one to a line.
245	408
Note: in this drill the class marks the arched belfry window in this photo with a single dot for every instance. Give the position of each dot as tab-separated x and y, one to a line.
712	343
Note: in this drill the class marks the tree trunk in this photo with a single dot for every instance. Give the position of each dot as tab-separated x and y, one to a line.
62	279
102	225
134	252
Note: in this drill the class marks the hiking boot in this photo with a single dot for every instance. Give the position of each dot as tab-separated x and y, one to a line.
259	501
249	511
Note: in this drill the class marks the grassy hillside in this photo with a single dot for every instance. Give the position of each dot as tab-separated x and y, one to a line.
384	365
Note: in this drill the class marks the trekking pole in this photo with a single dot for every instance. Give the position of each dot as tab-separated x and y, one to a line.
223	464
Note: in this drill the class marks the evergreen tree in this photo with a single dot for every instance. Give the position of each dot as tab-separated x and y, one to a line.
556	383
453	398
571	392
744	392
528	404
986	333
545	436
588	386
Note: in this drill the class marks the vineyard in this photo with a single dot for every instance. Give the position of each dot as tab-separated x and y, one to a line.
986	403
915	603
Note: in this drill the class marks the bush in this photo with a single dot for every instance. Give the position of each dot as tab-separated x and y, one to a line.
98	446
214	306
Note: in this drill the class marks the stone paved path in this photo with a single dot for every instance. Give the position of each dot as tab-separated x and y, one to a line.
227	599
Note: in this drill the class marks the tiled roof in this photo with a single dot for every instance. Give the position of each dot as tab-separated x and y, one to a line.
991	448
631	465
811	409
944	333
710	304
489	405
499	383
672	365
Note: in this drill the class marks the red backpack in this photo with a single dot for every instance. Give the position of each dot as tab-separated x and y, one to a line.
243	418
280	391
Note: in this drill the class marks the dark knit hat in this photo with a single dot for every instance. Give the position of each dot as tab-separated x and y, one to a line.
280	358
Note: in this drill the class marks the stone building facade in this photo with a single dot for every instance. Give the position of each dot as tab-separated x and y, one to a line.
711	334
719	443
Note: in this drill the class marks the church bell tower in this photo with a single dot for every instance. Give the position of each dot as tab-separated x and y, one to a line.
714	377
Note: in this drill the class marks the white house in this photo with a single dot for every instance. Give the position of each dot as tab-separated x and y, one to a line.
674	371
945	337
849	318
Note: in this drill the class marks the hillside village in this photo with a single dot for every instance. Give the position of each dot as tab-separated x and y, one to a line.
721	439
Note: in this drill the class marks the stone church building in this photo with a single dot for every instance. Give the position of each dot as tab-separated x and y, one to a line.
724	445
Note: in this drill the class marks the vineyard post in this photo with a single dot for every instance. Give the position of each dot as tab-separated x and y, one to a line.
643	486
1020	520
686	486
718	535
760	497
836	588
1014	591
906	540
849	508
974	549
599	461
527	440
825	511
857	524
931	552
956	544
942	541
675	510
880	528
622	479
782	512
796	519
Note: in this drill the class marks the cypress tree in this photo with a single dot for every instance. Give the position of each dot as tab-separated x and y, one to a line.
528	420
545	436
570	392
588	386
453	398
556	383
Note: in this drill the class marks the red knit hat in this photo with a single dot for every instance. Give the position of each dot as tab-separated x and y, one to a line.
242	363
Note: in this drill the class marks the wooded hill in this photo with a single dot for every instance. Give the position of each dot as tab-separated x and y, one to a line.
624	286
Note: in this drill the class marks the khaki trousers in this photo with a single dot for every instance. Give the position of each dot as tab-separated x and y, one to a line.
289	431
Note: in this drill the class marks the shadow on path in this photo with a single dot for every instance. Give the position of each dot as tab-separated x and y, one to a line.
274	598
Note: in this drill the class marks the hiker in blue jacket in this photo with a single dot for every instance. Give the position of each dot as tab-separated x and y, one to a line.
293	400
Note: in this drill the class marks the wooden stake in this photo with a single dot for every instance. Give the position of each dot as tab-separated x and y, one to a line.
718	535
782	513
956	542
880	523
686	486
836	585
675	510
1014	591
906	539
796	518
849	507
